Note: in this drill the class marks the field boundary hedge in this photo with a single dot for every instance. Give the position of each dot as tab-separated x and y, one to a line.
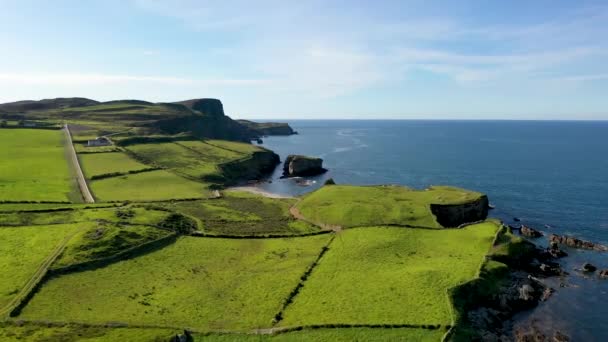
259	236
118	174
90	265
291	296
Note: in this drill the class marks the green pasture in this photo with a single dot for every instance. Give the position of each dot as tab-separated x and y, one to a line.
391	276
22	251
95	164
356	206
148	186
238	213
203	283
239	147
33	166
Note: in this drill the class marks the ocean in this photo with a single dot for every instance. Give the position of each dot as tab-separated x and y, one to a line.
552	175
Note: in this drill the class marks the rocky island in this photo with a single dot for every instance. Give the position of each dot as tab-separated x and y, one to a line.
302	166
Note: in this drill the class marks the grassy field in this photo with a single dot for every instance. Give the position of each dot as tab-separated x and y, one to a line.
203	283
22	251
239	213
148	186
235	146
355	206
391	275
6	207
95	164
106	239
12	332
34	166
341	334
140	216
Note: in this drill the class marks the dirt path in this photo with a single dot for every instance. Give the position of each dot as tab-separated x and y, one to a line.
37	277
82	183
295	212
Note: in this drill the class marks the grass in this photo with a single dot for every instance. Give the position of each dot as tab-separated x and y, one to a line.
139	216
95	164
245	214
105	240
203	283
195	159
356	206
235	146
148	186
22	251
7	207
391	276
340	334
33	166
16	332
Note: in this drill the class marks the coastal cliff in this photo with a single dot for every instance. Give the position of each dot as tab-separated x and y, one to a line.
454	215
268	128
250	168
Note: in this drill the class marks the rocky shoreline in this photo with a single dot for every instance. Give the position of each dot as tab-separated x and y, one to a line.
531	272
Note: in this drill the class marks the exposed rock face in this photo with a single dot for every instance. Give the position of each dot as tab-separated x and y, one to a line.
576	243
530	232
260	164
268	128
296	165
211	107
604	274
454	215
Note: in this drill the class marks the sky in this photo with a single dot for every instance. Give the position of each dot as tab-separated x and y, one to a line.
316	59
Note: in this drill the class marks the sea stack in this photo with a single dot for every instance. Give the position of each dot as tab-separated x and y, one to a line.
301	166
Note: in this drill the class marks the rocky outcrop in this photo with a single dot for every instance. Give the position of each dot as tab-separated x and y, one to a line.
268	128
212	107
251	168
530	232
576	243
296	165
454	215
587	267
603	274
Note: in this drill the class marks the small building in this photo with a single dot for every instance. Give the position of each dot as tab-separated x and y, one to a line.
99	141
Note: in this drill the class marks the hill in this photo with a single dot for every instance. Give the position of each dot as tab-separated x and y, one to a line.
201	118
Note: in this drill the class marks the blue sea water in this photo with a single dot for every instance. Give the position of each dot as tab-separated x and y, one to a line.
551	173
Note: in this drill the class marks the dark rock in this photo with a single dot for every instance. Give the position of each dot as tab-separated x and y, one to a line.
603	274
587	267
330	182
530	232
296	165
526	293
555	252
550	270
516	219
454	215
576	243
558	336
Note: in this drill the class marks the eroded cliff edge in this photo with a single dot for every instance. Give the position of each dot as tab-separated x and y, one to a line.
454	215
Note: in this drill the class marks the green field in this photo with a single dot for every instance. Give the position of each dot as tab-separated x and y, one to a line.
95	164
33	166
235	146
203	283
19	332
356	206
238	213
391	276
22	251
148	186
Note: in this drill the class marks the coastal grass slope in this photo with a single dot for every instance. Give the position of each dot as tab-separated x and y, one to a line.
388	275
360	206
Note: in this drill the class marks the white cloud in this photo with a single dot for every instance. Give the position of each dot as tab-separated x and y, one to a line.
101	79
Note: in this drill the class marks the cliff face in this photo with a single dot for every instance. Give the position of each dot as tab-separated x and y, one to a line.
212	107
302	166
268	128
453	215
253	168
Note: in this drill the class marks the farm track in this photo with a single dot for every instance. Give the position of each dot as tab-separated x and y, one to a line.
37	277
295	212
82	183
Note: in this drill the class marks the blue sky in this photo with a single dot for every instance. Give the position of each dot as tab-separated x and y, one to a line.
316	59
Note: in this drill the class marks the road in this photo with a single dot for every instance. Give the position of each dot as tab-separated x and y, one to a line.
82	183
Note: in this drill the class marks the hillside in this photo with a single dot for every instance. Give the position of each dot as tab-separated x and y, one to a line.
201	118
